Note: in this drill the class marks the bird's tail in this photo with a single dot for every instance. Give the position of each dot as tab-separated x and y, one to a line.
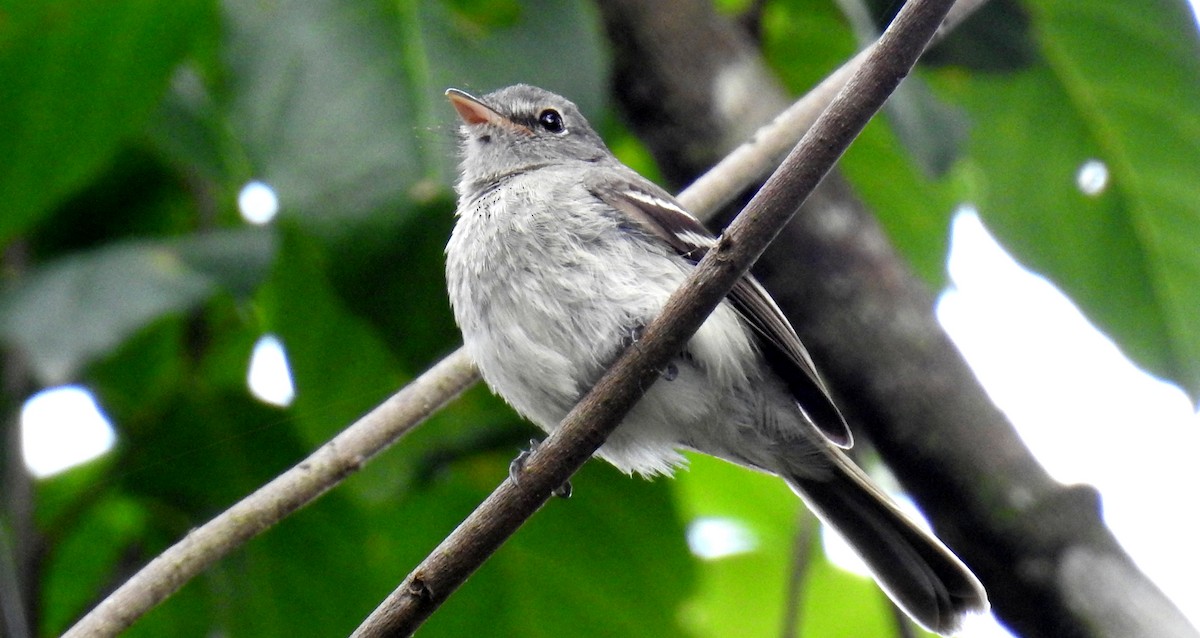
923	577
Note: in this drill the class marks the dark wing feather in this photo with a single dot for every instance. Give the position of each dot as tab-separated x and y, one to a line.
788	357
655	212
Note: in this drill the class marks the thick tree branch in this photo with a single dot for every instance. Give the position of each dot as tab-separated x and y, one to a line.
340	457
1040	548
601	410
871	322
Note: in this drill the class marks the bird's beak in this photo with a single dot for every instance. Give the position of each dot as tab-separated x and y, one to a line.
472	110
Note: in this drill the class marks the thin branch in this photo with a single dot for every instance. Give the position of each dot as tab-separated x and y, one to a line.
904	624
12	611
601	410
803	540
21	541
340	457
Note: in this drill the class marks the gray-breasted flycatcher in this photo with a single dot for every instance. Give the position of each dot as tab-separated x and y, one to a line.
561	254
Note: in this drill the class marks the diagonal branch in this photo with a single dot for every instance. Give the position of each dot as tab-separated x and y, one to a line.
337	459
601	410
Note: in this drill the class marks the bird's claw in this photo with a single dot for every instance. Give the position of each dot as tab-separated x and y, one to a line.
514	470
635	335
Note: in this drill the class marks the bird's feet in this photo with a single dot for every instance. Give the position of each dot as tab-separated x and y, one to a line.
635	334
634	337
514	470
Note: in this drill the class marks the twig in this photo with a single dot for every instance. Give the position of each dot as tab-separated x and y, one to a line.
12	612
21	541
290	491
904	624
601	410
802	552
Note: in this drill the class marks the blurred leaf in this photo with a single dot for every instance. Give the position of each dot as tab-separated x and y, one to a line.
394	277
609	561
143	375
612	560
1127	255
745	594
838	603
317	99
79	77
236	259
136	196
997	37
932	131
339	105
340	366
80	307
209	449
805	40
85	556
914	211
189	130
470	50
765	511
306	576
201	454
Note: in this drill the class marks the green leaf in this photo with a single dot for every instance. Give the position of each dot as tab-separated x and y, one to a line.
609	561
932	131
838	603
766	510
1120	84
305	577
408	304
79	77
914	210
832	602
805	40
87	554
626	537
340	366
316	98
996	37
206	451
469	50
146	372
339	105
75	309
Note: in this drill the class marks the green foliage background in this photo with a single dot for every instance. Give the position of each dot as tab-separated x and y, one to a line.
128	127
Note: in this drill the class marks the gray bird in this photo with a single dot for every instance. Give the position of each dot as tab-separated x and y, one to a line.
561	254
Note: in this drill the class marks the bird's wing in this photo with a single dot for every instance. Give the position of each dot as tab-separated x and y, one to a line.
657	214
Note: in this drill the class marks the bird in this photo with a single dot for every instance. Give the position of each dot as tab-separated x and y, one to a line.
560	254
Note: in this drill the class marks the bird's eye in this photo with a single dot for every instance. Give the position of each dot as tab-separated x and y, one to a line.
552	121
